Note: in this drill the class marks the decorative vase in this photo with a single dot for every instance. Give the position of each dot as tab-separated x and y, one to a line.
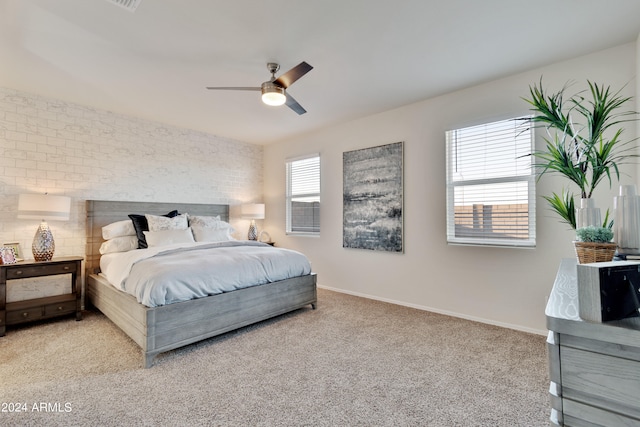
587	214
626	207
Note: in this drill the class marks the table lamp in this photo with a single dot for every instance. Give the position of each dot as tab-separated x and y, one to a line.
252	211
45	208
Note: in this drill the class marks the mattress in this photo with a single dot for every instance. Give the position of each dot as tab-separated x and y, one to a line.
169	274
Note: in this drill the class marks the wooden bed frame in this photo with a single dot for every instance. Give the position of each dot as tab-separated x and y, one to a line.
164	328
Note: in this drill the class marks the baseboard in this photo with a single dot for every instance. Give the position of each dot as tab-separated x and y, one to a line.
444	312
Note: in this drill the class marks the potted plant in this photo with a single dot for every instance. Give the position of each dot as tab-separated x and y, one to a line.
593	244
583	143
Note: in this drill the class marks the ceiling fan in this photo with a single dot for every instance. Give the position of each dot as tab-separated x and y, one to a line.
274	89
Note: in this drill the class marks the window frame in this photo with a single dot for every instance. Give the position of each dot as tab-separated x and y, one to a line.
289	196
529	179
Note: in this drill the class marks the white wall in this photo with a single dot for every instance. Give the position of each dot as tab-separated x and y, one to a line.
48	145
501	286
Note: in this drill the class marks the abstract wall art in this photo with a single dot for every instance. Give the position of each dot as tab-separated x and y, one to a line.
373	198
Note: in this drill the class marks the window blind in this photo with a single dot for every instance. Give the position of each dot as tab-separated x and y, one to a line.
303	195
491	184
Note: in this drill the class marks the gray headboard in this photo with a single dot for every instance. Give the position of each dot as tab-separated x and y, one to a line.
103	212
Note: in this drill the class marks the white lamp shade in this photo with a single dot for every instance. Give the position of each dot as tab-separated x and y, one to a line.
252	211
44	207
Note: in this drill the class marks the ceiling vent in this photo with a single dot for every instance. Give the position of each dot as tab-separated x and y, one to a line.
130	5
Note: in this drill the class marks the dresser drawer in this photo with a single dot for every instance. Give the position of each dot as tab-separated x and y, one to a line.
59	308
40	270
24	315
600	380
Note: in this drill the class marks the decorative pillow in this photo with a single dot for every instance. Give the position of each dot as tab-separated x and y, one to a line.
118	229
141	225
158	223
226	226
168	237
119	244
204	221
203	234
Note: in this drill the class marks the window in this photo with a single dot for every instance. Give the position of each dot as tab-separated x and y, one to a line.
303	195
491	185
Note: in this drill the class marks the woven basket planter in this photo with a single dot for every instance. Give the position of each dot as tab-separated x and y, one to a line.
588	252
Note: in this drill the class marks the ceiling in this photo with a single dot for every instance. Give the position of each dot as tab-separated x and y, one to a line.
368	55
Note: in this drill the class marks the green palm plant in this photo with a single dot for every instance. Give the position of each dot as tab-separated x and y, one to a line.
585	151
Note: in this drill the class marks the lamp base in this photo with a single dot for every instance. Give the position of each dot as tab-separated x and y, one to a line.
253	231
43	245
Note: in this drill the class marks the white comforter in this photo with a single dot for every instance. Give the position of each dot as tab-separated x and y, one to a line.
164	275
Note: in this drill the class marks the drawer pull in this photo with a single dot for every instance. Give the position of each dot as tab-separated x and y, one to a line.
25	315
59	308
18	272
66	267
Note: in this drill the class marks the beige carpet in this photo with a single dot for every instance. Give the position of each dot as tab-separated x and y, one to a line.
351	362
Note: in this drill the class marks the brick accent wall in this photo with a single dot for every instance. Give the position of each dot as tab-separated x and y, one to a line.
48	145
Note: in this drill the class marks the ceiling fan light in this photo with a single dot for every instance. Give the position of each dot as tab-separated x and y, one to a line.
273	95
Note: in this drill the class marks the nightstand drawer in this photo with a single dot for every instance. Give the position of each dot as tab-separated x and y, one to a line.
40	270
60	308
25	315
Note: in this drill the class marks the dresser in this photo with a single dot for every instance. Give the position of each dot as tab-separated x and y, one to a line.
40	308
594	368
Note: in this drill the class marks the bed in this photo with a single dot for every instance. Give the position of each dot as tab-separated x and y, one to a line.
166	327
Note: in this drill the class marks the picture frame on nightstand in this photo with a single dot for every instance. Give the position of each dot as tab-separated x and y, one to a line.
7	255
16	249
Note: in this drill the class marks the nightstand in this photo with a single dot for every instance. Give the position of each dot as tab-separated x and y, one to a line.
14	313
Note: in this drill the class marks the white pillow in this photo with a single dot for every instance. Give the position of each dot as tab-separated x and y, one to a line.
119	244
118	229
212	235
204	221
168	237
158	223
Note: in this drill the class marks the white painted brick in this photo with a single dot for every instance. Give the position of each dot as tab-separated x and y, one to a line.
27	110
7	106
7	162
47	148
26	164
15	136
36	156
32	137
47	115
46	166
14	172
94	154
15	117
59	142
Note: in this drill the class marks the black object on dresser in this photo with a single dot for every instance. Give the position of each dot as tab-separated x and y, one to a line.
40	308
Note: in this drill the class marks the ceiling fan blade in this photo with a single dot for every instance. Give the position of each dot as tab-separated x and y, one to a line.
288	78
293	104
235	88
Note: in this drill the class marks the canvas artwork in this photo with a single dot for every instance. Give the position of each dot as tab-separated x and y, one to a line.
373	198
